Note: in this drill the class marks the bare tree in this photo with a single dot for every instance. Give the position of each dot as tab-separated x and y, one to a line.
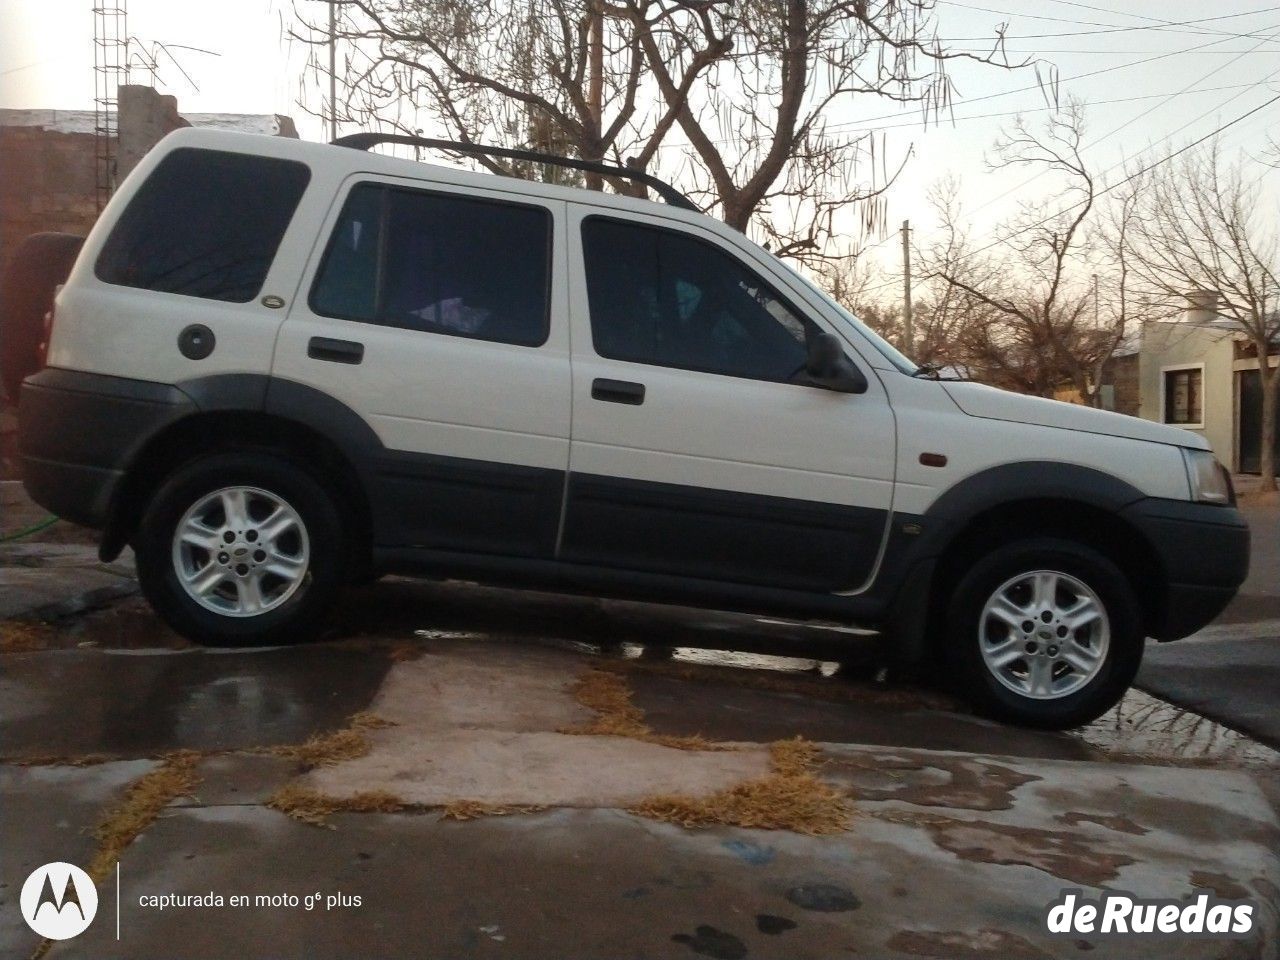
1036	323
730	98
1200	226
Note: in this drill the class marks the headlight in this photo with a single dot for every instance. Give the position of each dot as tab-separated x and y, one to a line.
1208	478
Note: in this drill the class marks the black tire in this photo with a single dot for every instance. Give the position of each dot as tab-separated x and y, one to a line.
296	618
38	265
963	654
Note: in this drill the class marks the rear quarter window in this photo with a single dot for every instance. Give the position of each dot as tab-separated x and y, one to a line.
205	223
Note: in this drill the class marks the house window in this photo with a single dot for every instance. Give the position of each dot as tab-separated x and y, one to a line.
1184	396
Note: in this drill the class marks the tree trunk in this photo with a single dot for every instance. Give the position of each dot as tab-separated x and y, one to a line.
1270	392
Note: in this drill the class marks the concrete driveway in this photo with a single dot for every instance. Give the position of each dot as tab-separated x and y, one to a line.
468	772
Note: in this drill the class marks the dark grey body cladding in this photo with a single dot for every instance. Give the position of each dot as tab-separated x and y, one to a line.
719	534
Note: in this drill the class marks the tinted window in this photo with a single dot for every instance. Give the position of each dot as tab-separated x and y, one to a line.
438	263
668	299
204	224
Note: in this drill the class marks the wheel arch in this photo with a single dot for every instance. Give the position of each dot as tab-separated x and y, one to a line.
1013	501
211	430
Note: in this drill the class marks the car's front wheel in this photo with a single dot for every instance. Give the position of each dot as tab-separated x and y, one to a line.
241	548
1044	633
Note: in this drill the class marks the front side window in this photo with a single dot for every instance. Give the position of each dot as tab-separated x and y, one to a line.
205	223
668	299
1183	390
438	263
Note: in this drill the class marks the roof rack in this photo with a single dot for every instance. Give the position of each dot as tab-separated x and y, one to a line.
363	141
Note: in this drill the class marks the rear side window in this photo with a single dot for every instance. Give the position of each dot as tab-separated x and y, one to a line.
438	263
206	223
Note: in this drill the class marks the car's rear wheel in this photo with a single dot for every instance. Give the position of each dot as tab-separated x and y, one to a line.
241	548
1044	633
38	265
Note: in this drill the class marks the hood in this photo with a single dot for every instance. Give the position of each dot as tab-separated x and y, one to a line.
979	400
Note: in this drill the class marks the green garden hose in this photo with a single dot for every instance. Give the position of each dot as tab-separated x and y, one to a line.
42	525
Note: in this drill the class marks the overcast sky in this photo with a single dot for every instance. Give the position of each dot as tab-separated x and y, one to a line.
1218	70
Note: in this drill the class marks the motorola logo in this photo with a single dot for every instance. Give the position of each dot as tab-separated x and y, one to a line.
59	901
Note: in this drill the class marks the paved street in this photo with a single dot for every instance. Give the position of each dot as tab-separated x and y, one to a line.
1231	671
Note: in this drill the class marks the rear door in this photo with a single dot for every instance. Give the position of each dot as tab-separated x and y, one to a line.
695	450
435	314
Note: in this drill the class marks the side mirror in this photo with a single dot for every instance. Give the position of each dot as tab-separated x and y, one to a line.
829	368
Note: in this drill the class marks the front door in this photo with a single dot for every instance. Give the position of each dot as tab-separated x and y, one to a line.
1250	422
695	449
437	316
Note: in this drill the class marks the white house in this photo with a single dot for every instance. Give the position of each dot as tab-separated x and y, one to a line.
1202	373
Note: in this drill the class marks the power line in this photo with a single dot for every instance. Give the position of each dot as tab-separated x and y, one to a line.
1115	28
844	125
1102	53
1091	103
1138	16
1040	86
1105	190
1134	119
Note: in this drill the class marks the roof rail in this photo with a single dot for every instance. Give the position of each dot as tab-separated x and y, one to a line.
363	141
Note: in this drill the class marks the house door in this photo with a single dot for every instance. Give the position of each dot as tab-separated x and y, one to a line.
1249	388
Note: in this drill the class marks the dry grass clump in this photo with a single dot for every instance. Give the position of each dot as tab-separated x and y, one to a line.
19	636
474	809
369	721
790	798
609	696
308	806
326	749
143	801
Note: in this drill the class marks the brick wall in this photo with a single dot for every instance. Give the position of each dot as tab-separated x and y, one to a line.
1122	373
47	182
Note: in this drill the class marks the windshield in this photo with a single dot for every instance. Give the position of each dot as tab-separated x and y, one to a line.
891	353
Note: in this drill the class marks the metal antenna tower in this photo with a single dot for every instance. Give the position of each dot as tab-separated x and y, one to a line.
110	69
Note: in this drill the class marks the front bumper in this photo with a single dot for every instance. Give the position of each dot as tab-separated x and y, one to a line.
1204	550
78	431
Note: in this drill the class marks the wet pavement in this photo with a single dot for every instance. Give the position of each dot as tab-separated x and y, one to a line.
961	831
125	703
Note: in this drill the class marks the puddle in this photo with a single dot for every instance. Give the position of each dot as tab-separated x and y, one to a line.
1146	726
756	661
77	702
1140	727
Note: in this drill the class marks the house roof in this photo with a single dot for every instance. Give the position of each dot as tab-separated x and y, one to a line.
84	121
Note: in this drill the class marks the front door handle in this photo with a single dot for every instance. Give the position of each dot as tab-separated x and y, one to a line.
617	391
335	351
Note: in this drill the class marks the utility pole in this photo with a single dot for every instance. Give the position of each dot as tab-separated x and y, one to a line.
908	329
333	70
595	84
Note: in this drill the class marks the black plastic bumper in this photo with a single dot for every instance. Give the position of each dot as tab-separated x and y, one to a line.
77	432
1204	550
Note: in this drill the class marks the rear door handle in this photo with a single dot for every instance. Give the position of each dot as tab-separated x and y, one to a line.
617	391
335	351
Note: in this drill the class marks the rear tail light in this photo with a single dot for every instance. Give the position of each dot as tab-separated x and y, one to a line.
46	331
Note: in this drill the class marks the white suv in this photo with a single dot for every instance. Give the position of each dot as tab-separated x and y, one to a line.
279	366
